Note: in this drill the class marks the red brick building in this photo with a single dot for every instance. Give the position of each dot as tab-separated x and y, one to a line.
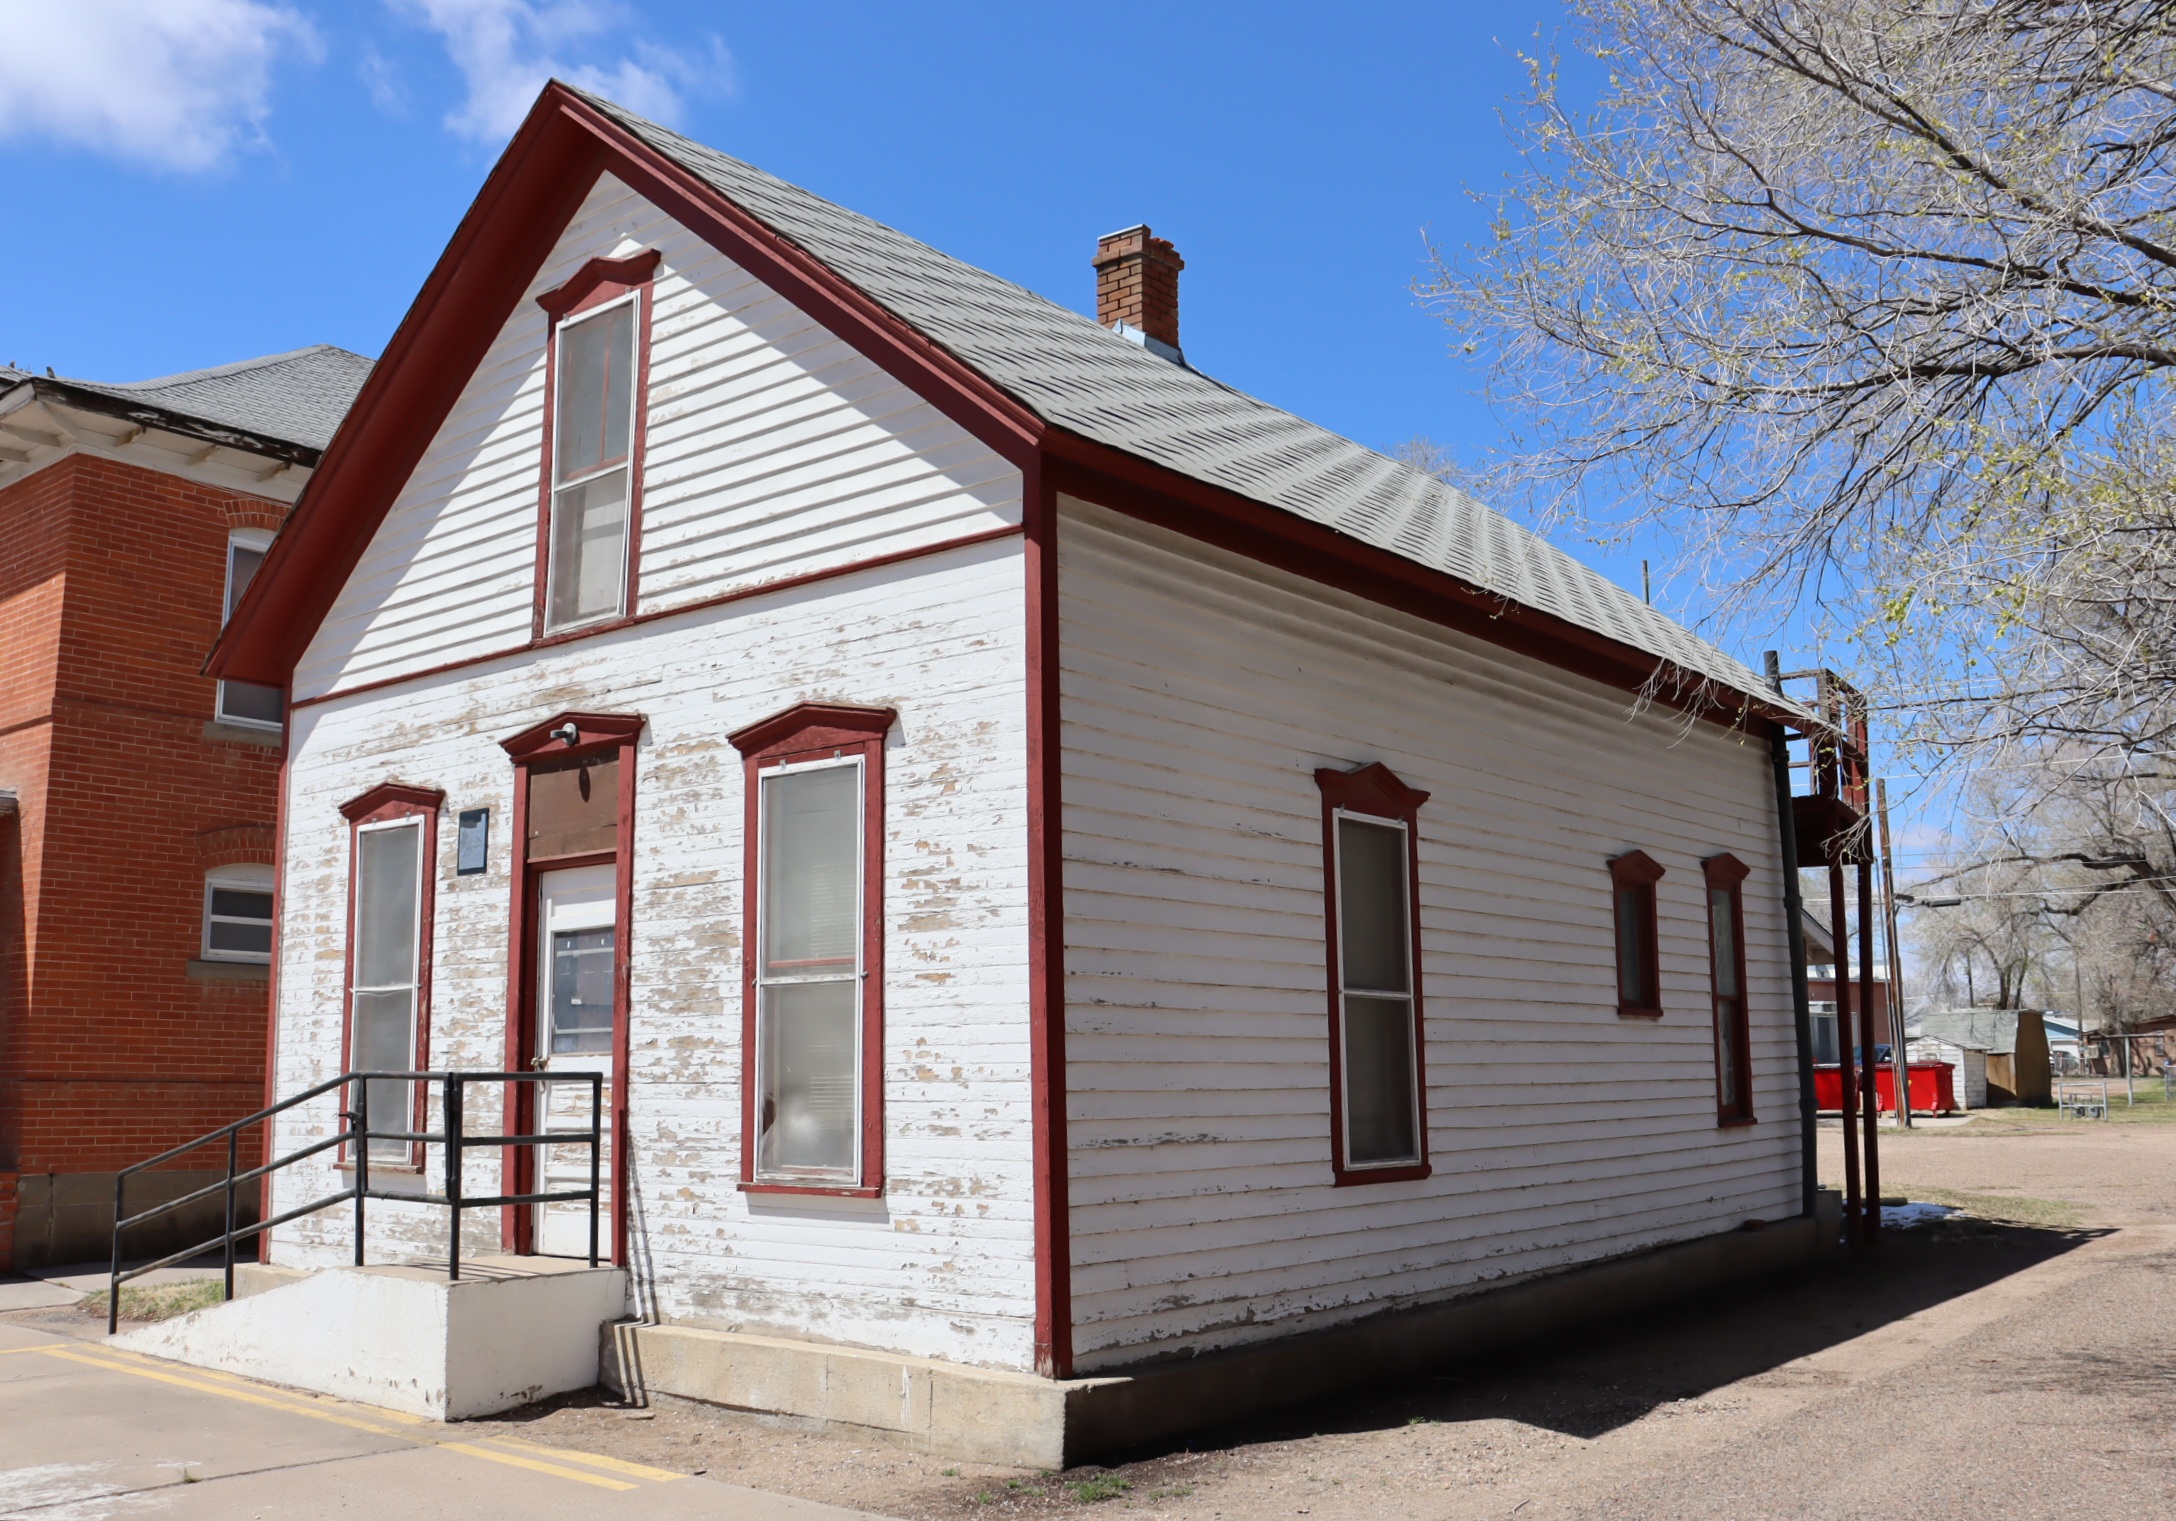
136	794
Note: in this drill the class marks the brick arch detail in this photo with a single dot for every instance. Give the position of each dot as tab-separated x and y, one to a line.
248	512
234	845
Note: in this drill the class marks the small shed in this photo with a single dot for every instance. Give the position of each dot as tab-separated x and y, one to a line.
2011	1047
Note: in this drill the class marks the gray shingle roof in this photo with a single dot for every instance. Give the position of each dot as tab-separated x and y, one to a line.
297	397
1075	374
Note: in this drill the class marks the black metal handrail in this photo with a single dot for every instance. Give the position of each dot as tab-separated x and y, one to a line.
355	1131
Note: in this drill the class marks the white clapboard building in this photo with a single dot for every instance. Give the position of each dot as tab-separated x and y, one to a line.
1066	873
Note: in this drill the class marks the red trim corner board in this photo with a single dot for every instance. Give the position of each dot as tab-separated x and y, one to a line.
265	1211
563	740
1373	791
807	732
1046	935
382	804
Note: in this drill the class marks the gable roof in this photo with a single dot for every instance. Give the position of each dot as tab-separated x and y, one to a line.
1991	1030
1036	371
1073	373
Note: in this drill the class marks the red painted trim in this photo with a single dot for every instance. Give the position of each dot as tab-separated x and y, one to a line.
525	205
1051	1157
1728	873
817	731
812	726
1638	870
594	630
1272	536
598	736
597	282
265	1211
382	803
1375	791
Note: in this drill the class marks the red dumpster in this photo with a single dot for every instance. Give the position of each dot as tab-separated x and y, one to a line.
1933	1086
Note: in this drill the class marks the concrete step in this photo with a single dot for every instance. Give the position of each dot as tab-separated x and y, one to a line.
511	1330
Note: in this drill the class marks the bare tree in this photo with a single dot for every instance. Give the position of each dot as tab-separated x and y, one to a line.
1872	302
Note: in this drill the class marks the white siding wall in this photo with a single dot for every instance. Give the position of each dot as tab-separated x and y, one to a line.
774	450
1200	693
943	1265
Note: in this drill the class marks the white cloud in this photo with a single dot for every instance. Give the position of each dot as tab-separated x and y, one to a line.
507	49
177	83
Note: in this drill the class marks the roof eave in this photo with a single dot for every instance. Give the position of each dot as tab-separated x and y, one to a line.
166	419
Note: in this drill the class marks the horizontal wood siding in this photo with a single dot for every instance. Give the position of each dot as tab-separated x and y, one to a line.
1199	694
774	451
942	1266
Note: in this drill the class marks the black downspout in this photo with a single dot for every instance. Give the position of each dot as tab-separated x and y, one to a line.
1779	750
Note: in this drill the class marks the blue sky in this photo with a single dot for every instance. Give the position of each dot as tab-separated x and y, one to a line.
196	181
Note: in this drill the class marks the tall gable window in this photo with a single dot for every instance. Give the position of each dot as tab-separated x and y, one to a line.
1632	894
244	702
813	1029
1726	960
1378	1103
591	524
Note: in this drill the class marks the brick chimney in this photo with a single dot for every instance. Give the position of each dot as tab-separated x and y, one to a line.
1137	285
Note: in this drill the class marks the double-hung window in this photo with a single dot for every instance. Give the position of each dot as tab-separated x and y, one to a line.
245	702
1726	958
1632	879
814	1023
394	829
1378	1104
592	464
238	914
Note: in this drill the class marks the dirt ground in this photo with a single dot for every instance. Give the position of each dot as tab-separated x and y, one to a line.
2017	1358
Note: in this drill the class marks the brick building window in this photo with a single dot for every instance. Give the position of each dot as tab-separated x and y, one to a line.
238	914
244	702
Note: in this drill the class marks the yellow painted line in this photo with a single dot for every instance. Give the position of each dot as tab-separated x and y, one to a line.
304	1400
295	1405
551	1468
232	1394
594	1459
40	1347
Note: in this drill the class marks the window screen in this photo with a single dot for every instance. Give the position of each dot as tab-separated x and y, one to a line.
592	430
382	999
238	915
809	973
1375	958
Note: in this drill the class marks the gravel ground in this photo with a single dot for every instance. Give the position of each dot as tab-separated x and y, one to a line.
2015	1360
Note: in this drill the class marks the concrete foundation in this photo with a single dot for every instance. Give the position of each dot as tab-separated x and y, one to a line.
1030	1422
64	1218
510	1331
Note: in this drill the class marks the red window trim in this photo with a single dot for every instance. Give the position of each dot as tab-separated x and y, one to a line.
594	284
1637	869
382	803
1374	791
596	736
806	732
1729	873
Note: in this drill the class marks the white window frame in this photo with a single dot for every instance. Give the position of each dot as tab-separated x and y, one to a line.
1344	992
253	879
858	976
260	540
633	299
